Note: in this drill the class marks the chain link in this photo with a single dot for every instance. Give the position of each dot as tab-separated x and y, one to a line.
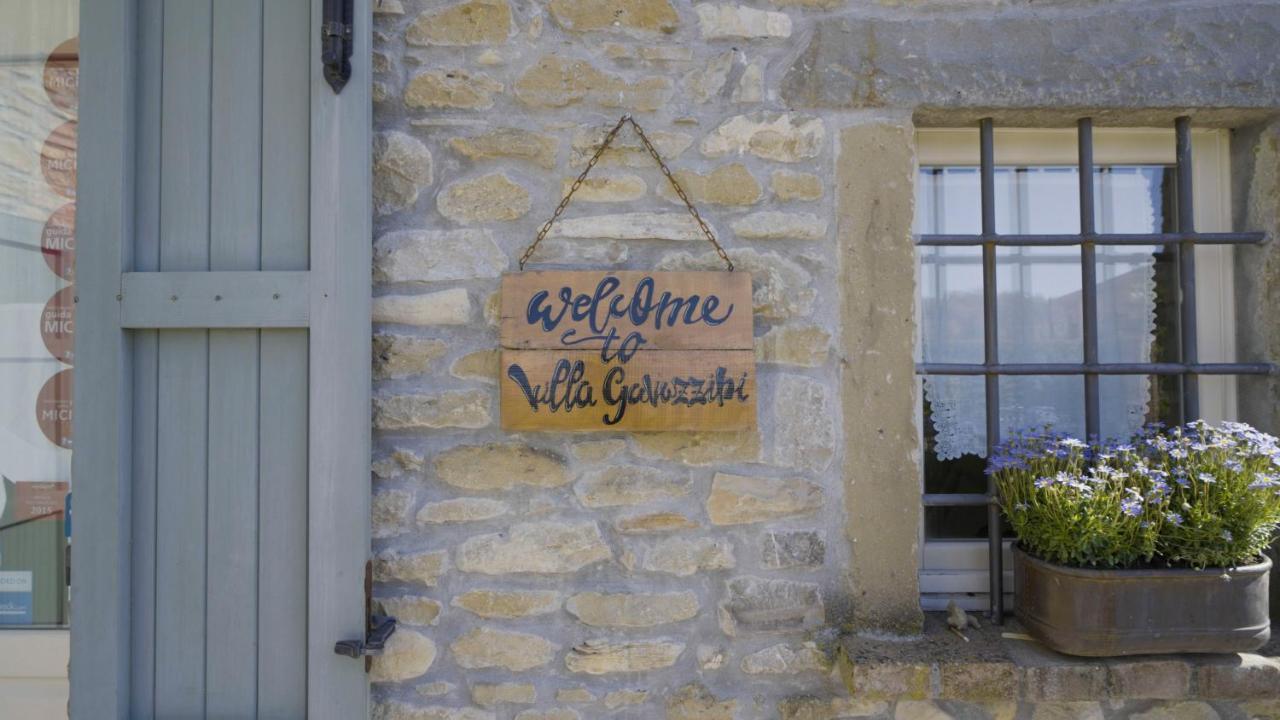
644	139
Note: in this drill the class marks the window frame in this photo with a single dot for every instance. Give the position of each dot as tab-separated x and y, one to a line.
958	569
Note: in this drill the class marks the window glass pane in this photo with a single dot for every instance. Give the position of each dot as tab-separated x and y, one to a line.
1129	401
38	102
1038	304
951	304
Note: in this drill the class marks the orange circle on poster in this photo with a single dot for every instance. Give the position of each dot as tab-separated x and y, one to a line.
58	242
58	159
58	325
62	75
53	409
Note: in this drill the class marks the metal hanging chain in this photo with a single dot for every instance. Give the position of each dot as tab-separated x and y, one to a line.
644	139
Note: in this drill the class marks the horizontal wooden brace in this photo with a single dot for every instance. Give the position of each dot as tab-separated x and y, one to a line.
239	299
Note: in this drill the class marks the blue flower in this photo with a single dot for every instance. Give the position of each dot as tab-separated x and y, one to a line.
1207	478
1173	517
1226	535
1131	507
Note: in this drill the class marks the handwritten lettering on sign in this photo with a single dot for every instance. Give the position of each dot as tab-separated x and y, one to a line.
627	350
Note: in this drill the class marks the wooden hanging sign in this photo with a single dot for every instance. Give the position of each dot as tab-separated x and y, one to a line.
627	350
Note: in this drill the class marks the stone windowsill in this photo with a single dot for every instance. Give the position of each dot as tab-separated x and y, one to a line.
1003	663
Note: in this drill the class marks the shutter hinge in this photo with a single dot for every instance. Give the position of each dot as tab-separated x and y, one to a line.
337	39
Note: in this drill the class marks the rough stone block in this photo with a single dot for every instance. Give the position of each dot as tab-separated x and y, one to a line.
475	22
740	499
485	647
542	547
754	604
447	307
632	610
603	657
500	466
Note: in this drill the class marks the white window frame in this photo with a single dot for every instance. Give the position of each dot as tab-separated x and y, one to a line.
957	569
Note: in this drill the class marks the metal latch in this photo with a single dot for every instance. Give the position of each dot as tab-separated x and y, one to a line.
337	42
381	627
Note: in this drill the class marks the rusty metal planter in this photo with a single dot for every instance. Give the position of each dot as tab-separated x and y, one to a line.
1099	613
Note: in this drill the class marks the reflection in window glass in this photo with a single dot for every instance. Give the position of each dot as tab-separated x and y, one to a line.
1039	309
39	72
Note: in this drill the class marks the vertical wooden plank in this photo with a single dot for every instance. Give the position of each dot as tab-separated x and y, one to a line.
282	540
338	497
182	463
146	254
231	672
100	636
282	547
286	130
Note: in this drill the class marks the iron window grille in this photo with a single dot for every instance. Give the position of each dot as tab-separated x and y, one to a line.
1188	368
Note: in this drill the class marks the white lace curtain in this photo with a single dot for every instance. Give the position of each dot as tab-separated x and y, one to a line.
1039	300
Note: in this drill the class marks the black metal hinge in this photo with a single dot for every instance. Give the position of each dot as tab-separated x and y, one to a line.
336	42
377	630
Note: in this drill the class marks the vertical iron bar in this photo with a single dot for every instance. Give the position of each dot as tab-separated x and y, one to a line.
1187	272
991	348
1088	278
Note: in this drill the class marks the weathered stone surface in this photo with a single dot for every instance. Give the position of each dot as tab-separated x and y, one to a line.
485	647
729	184
979	679
447	307
803	346
781	289
462	409
574	695
805	435
1054	681
1084	710
474	22
1251	676
487	695
507	605
541	547
740	499
1150	679
786	659
552	714
657	522
408	654
437	255
399	462
684	557
784	137
1179	711
388	7
626	149
396	356
809	4
424	568
401	168
750	87
513	143
648	53
772	225
710	657
1130	56
593	451
379	92
500	466
411	609
754	604
619	187
678	226
704	82
451	89
488	198
397	710
579	252
388	510
699	448
632	610
695	702
629	485
721	21
434	689
602	657
923	710
782	549
878	383
787	185
461	510
646	16
557	82
625	698
480	365
821	708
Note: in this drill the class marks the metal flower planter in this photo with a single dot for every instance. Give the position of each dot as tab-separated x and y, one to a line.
1100	613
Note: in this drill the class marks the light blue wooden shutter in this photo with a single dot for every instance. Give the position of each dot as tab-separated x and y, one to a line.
220	467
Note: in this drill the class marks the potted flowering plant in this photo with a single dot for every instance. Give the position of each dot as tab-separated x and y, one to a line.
1149	546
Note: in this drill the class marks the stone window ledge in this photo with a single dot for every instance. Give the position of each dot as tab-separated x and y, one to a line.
1004	663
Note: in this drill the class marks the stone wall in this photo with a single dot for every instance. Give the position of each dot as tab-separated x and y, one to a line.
544	576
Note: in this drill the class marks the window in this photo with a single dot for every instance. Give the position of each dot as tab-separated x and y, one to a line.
39	71
1088	336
